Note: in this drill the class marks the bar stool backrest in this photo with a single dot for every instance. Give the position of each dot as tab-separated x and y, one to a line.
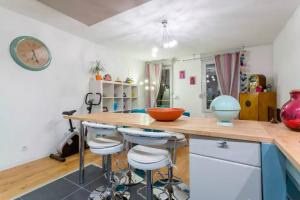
146	138
95	130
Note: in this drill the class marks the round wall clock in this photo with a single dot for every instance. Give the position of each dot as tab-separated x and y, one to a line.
30	53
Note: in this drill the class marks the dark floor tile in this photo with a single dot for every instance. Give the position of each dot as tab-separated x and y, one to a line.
79	195
91	173
95	184
133	192
52	191
103	182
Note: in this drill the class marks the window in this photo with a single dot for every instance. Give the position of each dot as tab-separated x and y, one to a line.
164	94
210	89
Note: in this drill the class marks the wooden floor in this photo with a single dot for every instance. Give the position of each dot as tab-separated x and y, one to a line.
23	178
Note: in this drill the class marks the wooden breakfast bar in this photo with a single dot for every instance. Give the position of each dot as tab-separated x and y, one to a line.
245	137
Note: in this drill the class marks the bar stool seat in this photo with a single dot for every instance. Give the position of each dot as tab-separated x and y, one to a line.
148	158
105	148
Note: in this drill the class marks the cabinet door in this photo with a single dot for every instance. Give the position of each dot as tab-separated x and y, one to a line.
214	179
249	106
266	101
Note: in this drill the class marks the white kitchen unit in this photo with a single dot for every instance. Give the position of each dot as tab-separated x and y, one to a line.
222	169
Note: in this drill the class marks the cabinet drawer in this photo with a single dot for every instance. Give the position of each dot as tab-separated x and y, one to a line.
214	179
230	150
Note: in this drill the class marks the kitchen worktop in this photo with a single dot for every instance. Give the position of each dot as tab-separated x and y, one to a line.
287	141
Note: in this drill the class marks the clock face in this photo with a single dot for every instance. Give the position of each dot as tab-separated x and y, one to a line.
30	53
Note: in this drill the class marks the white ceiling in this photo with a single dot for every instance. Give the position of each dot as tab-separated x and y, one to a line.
200	26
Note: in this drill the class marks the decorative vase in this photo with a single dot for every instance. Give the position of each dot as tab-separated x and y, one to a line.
98	77
226	109
290	112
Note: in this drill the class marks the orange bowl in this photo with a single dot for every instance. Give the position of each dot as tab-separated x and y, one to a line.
165	114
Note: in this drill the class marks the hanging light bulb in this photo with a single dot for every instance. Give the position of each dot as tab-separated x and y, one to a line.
173	43
154	52
152	88
166	45
154	49
147	88
146	81
166	41
141	83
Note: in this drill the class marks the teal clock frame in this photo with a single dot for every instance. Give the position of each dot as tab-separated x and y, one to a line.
13	48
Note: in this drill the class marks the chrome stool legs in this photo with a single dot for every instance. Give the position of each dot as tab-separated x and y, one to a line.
174	186
110	191
104	163
149	185
131	176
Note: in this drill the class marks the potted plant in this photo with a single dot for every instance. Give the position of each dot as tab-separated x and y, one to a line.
96	69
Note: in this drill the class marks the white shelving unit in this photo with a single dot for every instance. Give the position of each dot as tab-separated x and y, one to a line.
116	96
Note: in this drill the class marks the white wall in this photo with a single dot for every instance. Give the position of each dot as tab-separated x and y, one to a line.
185	95
31	102
286	58
260	60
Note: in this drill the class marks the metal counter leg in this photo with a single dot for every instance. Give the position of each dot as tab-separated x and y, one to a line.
81	153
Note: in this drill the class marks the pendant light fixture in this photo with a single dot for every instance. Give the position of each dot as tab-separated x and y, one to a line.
167	41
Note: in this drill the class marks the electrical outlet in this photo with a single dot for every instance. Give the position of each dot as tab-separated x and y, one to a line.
24	148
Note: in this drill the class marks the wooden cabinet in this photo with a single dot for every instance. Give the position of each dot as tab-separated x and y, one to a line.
224	169
258	106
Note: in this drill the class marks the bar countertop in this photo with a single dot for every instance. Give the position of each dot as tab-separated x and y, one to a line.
287	141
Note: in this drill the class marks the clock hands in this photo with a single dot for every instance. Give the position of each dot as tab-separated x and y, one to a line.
34	56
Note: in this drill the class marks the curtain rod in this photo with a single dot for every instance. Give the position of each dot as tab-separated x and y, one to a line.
206	56
222	52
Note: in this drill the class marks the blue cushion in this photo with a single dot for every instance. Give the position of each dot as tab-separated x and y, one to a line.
138	110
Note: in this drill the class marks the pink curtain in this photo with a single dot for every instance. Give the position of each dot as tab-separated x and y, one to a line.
153	74
148	95
228	70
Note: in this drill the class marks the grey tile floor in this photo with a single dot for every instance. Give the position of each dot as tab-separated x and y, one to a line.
68	188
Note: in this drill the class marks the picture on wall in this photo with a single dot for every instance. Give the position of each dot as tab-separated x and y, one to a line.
182	74
193	80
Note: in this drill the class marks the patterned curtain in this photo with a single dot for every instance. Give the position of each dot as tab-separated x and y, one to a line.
153	75
228	70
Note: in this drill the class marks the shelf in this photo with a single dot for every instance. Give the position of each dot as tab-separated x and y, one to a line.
113	93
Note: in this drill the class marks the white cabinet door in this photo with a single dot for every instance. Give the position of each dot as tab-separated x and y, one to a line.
214	179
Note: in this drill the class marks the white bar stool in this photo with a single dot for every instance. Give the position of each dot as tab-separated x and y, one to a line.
177	140
144	157
102	140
